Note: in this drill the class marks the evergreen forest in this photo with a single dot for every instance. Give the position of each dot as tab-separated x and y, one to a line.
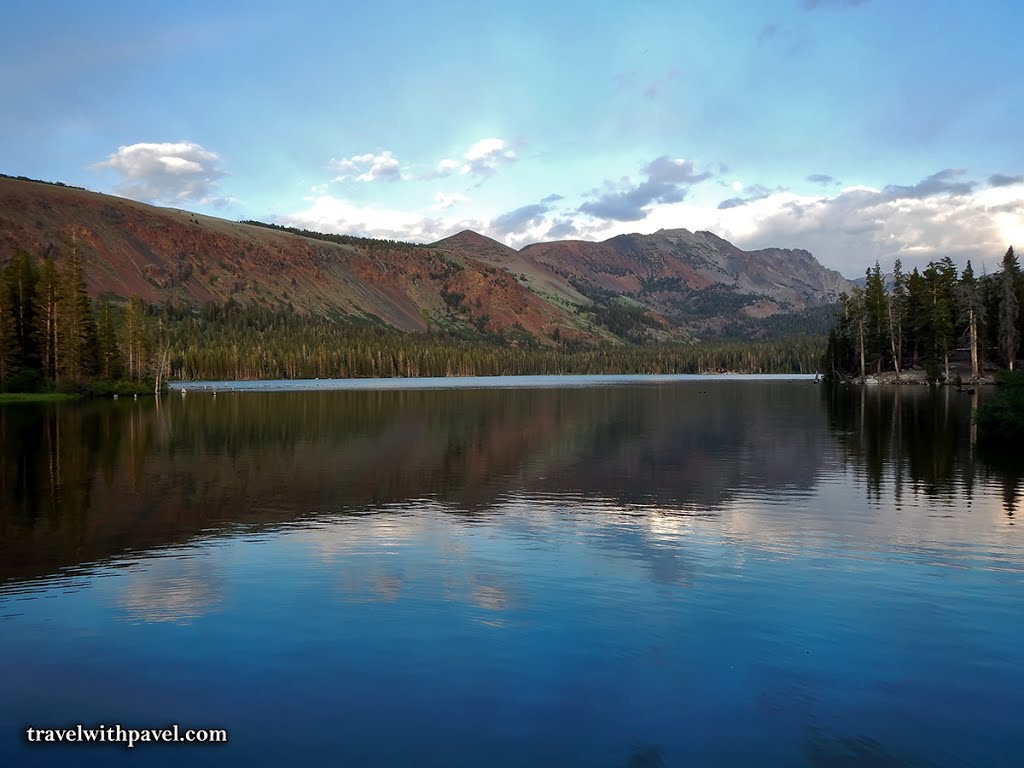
929	320
55	338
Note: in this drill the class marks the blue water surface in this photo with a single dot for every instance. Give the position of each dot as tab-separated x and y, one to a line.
676	574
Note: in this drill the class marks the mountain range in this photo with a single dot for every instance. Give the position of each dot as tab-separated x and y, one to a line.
669	285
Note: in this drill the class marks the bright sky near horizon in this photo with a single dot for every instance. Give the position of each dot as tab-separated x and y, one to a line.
858	129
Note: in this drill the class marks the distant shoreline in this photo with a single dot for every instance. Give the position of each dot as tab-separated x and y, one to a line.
471	382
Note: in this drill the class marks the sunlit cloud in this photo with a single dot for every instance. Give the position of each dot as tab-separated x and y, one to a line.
446	167
484	157
382	166
167	173
328	213
846	228
943	214
445	200
481	160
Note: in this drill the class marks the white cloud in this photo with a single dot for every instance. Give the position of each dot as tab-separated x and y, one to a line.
847	229
850	229
444	200
382	166
171	173
447	167
332	214
482	160
483	157
518	227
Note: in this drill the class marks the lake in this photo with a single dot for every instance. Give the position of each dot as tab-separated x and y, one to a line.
630	574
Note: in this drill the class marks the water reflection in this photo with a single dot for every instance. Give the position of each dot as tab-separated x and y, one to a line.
81	484
676	574
919	440
172	589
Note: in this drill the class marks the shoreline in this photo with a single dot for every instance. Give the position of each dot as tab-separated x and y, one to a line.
7	398
919	378
471	382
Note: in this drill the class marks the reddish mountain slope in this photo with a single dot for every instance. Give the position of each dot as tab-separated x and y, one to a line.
669	270
539	278
681	282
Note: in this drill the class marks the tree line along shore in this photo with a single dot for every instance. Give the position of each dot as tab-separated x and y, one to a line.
55	338
935	325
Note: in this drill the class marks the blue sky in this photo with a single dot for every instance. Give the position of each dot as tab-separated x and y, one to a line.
859	129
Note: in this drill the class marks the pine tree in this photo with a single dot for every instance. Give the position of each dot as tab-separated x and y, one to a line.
1008	316
856	318
941	280
9	352
876	317
22	277
74	324
160	360
46	306
1011	296
897	307
991	293
108	356
973	311
133	338
917	316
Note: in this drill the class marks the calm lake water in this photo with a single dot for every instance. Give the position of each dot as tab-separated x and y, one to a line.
668	573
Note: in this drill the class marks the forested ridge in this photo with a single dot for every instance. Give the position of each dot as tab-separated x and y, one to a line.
925	319
53	336
366	242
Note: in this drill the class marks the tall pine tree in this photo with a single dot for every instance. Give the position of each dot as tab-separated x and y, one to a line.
1010	298
9	352
897	307
134	339
973	313
108	356
47	317
876	318
22	276
74	323
940	322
